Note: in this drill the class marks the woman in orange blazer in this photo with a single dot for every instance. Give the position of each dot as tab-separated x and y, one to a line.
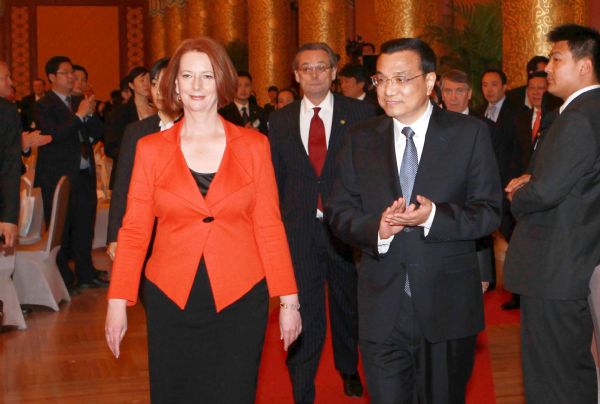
219	242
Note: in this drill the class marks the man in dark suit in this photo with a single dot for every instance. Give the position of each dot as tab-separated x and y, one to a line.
419	288
305	139
554	247
73	127
133	133
242	111
10	162
28	102
354	83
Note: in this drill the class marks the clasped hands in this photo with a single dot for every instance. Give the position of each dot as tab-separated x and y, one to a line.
397	216
515	184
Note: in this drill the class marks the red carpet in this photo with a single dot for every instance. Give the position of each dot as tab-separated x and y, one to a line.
274	386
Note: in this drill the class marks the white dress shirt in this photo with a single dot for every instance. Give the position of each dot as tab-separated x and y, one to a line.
498	107
420	128
575	95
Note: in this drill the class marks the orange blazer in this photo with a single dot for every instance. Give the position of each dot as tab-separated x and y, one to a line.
237	227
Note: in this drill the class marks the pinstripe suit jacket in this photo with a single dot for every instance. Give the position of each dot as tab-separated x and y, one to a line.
298	184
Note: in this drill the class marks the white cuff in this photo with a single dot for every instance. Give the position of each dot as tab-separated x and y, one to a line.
427	225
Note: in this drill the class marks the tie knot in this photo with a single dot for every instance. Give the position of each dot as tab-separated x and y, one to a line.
408	132
316	110
538	113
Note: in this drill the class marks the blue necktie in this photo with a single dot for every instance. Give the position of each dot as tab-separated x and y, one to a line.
408	172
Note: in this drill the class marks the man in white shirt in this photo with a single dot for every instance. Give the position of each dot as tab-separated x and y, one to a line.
306	137
242	111
554	247
414	190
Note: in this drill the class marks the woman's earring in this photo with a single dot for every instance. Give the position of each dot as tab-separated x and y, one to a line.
178	97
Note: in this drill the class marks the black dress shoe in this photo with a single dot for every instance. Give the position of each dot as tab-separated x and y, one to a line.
93	284
513	304
352	385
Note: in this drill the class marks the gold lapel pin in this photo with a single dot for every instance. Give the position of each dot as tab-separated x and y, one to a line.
343	122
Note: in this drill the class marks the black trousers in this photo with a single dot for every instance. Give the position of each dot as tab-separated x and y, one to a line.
197	355
78	233
407	369
556	338
326	262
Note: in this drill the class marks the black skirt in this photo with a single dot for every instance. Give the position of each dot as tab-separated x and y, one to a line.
197	355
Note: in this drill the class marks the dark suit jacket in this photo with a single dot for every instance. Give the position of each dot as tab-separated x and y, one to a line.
113	132
458	173
555	245
298	184
118	201
10	161
62	156
28	110
231	113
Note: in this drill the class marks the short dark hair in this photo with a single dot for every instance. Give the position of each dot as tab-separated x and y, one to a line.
427	55
159	65
356	71
333	57
54	63
81	69
583	42
498	72
534	61
533	75
272	88
136	72
39	79
243	73
124	84
457	76
288	90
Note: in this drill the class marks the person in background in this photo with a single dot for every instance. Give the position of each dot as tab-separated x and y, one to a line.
160	121
286	96
28	103
220	243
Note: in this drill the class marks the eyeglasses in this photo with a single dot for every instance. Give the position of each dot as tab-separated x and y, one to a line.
65	72
397	81
311	69
458	91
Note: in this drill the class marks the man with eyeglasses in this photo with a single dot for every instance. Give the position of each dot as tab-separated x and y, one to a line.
71	122
306	137
414	190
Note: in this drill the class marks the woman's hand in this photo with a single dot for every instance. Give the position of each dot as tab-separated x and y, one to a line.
290	323
116	324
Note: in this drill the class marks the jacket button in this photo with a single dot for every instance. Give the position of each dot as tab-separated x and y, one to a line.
208	219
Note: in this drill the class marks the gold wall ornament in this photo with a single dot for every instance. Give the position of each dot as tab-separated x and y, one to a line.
323	21
229	21
269	45
404	18
173	28
525	24
197	22
157	37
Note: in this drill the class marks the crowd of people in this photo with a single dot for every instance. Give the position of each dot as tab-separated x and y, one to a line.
373	197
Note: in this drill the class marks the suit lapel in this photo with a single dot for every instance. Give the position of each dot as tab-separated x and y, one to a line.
385	155
338	125
232	175
433	149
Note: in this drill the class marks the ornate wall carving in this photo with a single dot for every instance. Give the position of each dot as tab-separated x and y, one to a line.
134	17
525	25
20	49
404	18
323	21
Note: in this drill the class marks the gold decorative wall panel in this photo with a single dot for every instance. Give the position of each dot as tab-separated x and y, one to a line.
229	19
20	51
323	21
197	22
157	37
174	27
404	18
270	48
134	17
525	25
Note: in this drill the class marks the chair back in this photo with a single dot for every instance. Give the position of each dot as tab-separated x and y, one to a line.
60	204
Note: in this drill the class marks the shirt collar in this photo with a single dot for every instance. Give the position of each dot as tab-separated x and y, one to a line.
499	103
466	111
61	96
240	106
362	96
420	125
325	105
575	95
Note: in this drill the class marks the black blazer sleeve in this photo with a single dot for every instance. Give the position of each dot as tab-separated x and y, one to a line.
118	201
10	162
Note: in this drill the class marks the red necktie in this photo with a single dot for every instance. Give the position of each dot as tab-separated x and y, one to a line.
536	125
317	147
